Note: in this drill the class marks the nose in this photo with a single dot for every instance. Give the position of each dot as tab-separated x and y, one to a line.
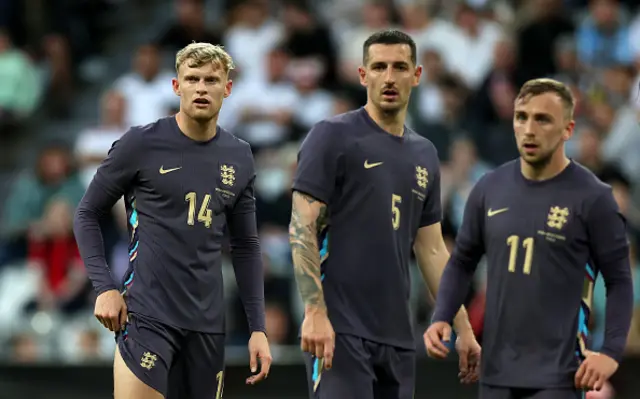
201	88
389	79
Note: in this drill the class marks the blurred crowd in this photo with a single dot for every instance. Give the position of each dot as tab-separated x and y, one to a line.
296	65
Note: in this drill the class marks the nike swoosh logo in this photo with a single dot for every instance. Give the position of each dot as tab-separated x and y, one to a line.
368	165
164	171
497	211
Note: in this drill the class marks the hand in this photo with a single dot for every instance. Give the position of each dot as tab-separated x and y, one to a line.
594	371
434	338
469	352
318	337
259	350
111	310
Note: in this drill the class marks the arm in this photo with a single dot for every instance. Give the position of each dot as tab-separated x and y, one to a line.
247	258
313	186
609	249
432	256
308	218
113	179
458	273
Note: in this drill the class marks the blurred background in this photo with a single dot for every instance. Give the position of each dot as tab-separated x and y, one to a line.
76	74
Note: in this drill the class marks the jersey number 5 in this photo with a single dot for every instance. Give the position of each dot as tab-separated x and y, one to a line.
514	243
204	215
395	211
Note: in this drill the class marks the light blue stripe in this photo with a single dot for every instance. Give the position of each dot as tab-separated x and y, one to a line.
134	218
590	272
130	279
324	247
135	247
316	372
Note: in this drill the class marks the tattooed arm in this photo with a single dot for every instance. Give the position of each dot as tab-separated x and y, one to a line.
308	218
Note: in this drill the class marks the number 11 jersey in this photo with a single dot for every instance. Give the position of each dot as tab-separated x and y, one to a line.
379	190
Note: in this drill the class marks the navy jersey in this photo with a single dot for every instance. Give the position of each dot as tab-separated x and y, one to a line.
379	190
545	243
180	195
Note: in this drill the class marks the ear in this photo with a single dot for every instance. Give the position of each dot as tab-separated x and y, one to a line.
417	75
362	72
176	86
227	88
568	131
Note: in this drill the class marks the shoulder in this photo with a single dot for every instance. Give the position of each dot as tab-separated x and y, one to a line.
232	142
590	185
235	147
332	131
498	176
419	142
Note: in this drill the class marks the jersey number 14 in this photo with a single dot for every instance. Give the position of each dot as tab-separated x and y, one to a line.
204	214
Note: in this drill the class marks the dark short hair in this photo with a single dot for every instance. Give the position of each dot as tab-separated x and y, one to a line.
389	37
536	87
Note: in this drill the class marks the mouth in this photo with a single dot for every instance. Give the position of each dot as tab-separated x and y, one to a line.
390	94
201	102
530	147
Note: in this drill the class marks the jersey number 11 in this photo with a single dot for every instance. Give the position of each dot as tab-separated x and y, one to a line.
514	243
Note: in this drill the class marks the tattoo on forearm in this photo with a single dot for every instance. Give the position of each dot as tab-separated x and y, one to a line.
308	218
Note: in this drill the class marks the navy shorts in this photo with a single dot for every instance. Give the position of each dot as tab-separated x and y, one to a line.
179	364
495	392
362	369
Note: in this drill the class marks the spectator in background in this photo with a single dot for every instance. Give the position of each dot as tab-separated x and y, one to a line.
93	144
314	103
603	37
306	37
261	111
475	53
250	38
376	16
147	90
189	26
39	212
567	68
538	39
21	86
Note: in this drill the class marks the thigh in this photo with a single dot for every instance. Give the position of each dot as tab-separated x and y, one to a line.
147	349
558	393
495	392
395	372
198	372
351	376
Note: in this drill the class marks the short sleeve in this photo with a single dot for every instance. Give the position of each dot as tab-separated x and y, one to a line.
119	169
607	232
432	210
318	161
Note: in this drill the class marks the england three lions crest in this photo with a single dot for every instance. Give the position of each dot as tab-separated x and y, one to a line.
557	217
422	177
227	175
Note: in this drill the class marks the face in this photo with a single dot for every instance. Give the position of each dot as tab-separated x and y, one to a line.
147	61
201	90
53	165
541	127
389	76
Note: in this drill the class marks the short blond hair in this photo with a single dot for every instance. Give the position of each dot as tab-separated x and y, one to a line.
536	87
199	54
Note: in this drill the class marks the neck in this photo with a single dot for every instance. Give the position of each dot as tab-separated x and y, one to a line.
196	130
555	166
392	123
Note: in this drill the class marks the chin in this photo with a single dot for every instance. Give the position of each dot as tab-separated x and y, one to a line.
390	107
